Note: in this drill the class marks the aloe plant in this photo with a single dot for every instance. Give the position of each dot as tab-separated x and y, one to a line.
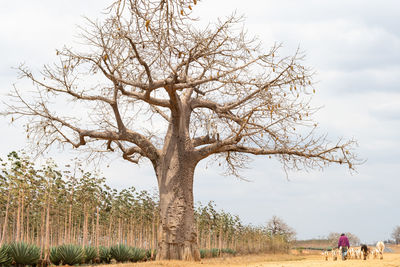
24	254
137	254
121	253
5	259
90	254
149	252
228	251
71	254
203	253
104	254
55	256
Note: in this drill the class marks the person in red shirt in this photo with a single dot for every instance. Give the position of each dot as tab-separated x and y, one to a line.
345	244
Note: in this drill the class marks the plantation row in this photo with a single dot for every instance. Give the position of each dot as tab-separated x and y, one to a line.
22	254
50	207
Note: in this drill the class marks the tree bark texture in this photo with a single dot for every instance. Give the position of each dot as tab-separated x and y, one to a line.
177	234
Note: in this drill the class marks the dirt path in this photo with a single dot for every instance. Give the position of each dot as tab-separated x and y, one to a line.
390	260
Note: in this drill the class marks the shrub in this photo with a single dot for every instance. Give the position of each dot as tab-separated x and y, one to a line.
104	254
203	253
148	254
209	253
90	254
71	254
214	252
54	256
120	253
228	251
137	254
5	259
24	254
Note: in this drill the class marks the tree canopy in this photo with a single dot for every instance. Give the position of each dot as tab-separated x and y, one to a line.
148	61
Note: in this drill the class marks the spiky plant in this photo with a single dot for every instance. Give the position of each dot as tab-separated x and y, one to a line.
90	254
5	259
228	251
24	254
54	256
104	254
71	254
120	252
149	253
214	252
203	253
137	254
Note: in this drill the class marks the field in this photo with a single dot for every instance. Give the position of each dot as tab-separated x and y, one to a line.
268	260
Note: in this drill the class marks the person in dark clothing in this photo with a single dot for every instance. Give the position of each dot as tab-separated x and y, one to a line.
345	244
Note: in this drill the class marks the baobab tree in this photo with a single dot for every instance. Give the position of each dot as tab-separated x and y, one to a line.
151	83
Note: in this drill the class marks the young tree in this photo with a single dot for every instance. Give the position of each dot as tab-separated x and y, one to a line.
154	85
396	234
276	226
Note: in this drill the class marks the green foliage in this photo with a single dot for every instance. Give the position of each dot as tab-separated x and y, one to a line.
210	253
90	254
148	254
214	252
5	259
24	254
121	253
228	251
71	254
55	256
104	254
137	254
203	253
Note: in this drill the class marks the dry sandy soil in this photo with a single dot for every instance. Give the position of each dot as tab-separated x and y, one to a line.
390	260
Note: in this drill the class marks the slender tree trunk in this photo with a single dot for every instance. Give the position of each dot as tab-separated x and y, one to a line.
27	225
209	237
153	230
109	231
18	227
85	225
47	234
42	227
177	233
93	235
4	231
64	240
119	230
97	229
21	237
70	224
220	239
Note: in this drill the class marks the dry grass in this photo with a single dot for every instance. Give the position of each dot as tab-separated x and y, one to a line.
277	260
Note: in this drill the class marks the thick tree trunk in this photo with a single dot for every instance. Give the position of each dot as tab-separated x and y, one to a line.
177	233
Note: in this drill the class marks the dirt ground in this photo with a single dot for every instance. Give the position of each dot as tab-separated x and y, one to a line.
390	260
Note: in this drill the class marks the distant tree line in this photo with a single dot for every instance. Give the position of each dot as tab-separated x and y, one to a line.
48	207
334	238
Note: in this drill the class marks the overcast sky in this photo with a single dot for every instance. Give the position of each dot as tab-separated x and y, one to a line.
354	46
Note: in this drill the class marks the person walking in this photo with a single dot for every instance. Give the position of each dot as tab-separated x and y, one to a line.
344	244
